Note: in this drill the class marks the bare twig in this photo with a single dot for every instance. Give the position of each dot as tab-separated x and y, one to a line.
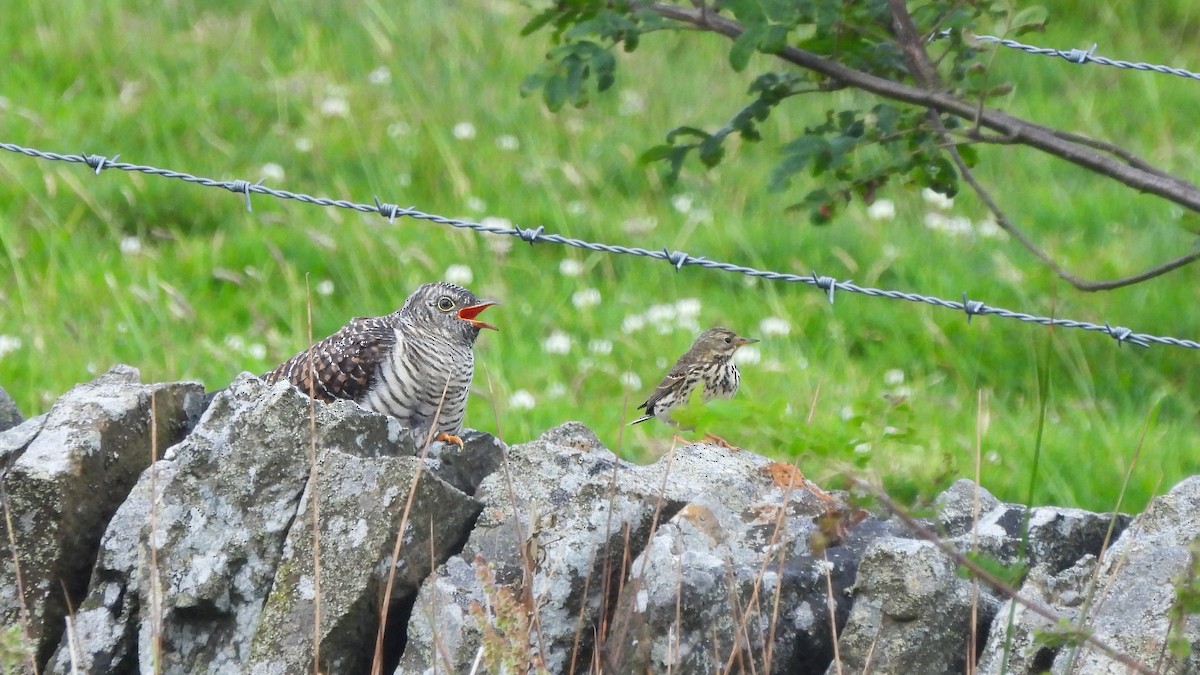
314	495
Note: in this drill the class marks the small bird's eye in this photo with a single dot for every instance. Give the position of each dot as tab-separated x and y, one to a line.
445	304
728	340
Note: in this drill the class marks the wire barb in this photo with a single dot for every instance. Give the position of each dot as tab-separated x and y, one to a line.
1080	56
677	258
245	187
826	284
389	211
98	162
972	307
530	234
1122	335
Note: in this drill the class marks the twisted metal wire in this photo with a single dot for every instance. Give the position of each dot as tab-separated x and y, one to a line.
677	259
1082	56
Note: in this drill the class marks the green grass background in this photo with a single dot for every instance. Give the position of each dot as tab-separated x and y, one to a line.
360	98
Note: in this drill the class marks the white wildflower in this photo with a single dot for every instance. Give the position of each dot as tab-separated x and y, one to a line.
272	171
682	203
600	347
464	131
325	288
570	267
630	380
335	106
459	274
632	103
131	245
396	129
558	343
862	449
476	205
576	208
507	142
556	390
660	314
588	297
640	225
937	199
774	325
381	75
521	400
9	344
633	323
882	209
748	355
687	308
303	144
257	351
893	377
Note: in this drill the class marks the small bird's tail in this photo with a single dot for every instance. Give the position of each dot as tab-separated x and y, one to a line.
641	419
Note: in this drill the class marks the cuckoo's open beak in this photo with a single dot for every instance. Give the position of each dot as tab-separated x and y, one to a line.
469	313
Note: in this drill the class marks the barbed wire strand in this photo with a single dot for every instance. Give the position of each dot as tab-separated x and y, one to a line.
677	259
1080	56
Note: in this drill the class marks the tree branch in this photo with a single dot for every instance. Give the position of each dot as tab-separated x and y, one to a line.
923	72
1131	171
1095	155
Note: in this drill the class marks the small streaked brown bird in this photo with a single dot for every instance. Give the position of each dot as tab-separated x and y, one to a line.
400	364
708	363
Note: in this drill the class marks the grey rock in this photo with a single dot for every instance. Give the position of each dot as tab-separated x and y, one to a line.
10	415
1138	580
558	524
732	580
1016	644
1058	537
466	467
362	505
227	503
66	474
912	612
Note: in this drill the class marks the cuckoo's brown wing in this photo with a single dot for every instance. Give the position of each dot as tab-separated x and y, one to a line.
343	365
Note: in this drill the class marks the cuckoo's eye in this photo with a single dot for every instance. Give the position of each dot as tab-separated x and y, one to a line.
445	304
728	340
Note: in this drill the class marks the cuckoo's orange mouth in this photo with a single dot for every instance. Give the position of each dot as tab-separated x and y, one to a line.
468	314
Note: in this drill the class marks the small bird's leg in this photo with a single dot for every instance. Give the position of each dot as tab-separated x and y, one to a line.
449	438
719	441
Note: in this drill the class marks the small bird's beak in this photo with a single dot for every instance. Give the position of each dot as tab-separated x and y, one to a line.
740	342
468	314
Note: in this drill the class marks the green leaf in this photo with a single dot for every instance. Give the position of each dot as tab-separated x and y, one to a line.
1028	20
745	11
657	153
554	94
745	45
774	39
538	21
712	151
686	131
797	155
